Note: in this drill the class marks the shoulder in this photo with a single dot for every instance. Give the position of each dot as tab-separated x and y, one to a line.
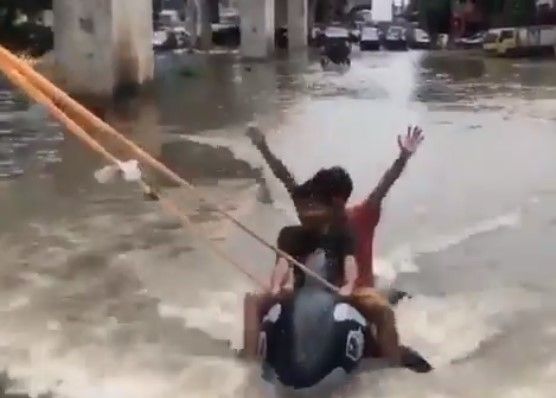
295	240
366	211
291	232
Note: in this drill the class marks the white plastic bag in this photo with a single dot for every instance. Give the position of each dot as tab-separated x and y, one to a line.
129	171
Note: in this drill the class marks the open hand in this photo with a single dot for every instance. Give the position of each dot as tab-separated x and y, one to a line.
255	134
410	142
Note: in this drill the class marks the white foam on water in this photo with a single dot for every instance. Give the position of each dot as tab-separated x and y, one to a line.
402	259
44	352
447	329
96	372
219	314
392	78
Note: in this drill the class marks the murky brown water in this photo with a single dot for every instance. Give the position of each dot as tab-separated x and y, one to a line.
102	295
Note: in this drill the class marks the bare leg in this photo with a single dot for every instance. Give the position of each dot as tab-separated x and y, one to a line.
376	310
254	306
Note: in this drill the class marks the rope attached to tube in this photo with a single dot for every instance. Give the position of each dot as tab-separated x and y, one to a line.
18	80
59	103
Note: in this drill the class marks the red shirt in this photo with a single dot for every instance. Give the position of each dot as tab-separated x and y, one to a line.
363	219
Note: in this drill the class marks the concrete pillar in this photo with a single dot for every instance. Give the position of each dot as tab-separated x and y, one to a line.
297	24
101	46
257	28
192	24
214	11
206	26
281	13
198	23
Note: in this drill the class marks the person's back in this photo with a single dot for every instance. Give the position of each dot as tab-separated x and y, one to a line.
362	219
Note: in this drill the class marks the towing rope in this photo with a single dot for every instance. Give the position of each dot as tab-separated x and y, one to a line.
75	117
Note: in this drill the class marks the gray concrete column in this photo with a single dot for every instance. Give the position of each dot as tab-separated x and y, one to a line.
297	24
103	45
198	23
281	13
257	28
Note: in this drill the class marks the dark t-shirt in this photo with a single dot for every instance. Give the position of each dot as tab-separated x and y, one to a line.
324	253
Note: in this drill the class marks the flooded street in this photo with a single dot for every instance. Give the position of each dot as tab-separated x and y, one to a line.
104	295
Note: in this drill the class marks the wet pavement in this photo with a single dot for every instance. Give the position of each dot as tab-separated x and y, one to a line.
104	295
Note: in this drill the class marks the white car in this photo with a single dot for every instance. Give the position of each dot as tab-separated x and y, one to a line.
370	39
159	38
421	39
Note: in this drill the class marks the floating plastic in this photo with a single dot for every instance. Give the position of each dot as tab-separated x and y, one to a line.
128	170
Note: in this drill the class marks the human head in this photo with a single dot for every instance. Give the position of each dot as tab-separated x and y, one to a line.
335	184
313	208
320	198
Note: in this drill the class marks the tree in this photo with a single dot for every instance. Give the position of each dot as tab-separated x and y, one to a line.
435	16
522	12
509	12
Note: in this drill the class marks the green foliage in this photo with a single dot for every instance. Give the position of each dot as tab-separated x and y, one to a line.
522	12
435	15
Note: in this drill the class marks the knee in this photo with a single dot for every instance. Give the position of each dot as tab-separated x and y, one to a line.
387	315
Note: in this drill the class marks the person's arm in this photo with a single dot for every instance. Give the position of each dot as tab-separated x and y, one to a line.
350	276
282	274
351	271
278	168
408	145
279	275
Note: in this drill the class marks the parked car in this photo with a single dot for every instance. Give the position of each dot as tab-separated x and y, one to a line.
474	41
395	38
521	41
370	39
227	31
420	40
171	38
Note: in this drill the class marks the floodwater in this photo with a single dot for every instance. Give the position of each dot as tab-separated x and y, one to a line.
104	295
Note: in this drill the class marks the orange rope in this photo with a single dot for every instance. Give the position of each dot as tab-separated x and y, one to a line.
18	80
63	102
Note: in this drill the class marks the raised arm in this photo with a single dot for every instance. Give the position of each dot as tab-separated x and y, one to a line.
278	168
408	145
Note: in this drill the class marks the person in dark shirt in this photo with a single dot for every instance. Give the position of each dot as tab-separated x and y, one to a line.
322	244
324	229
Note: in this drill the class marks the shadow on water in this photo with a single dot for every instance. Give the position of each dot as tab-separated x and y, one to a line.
200	162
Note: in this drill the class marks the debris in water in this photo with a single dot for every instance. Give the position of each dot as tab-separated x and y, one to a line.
189	72
129	171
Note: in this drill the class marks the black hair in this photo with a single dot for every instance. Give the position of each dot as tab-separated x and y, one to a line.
333	182
325	185
307	190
